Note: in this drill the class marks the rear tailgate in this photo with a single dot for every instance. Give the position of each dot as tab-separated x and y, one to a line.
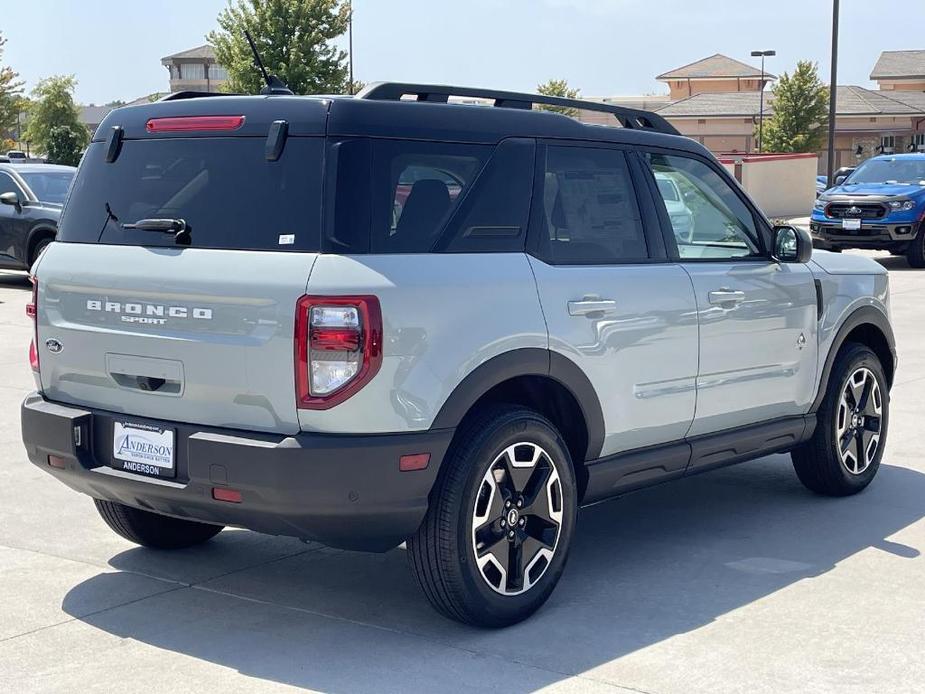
200	336
137	321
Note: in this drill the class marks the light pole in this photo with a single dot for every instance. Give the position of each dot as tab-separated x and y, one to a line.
762	55
830	164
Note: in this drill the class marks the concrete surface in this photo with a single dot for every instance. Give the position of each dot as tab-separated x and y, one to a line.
735	581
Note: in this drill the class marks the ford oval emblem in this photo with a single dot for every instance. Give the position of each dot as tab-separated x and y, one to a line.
53	345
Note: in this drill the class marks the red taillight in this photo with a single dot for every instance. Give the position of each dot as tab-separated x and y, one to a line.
32	312
334	339
188	123
338	348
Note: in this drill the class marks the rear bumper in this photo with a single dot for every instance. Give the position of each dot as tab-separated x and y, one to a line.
343	491
875	234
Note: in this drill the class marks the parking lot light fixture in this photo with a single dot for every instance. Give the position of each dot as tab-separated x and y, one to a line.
762	55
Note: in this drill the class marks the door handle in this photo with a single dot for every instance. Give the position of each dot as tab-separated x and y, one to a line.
726	296
591	305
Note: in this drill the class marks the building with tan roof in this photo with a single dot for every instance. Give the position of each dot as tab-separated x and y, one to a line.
717	102
715	74
195	70
900	71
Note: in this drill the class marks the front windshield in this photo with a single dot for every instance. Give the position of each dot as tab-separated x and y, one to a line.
889	171
49	186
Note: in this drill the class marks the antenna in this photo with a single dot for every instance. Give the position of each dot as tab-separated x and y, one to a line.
274	84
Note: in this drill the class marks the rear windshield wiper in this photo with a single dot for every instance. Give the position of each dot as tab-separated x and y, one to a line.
110	217
178	227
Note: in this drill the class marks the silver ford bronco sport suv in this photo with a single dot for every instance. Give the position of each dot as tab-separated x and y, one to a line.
392	318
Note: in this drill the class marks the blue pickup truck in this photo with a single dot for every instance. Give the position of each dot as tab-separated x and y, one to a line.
881	205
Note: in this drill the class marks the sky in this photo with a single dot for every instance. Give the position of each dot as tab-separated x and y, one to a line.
602	47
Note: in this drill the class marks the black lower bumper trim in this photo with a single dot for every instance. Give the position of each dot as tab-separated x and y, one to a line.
342	490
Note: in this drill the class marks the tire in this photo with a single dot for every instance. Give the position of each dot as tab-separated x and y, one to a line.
152	529
857	385
40	246
915	254
468	511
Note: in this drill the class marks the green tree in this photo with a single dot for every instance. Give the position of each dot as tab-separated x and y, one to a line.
65	145
558	88
293	38
801	103
10	90
53	105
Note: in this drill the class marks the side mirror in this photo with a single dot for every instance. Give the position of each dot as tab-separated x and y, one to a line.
839	180
11	198
792	245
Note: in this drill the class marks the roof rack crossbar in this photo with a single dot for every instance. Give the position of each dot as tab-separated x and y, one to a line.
629	117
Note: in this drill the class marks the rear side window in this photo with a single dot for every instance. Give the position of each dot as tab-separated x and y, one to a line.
493	217
224	188
415	188
588	212
403	196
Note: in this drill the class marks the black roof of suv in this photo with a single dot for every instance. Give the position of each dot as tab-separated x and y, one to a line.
380	111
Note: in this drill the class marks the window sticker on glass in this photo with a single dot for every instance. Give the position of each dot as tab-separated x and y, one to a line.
286	239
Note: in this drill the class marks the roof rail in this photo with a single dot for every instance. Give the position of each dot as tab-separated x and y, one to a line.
628	117
176	96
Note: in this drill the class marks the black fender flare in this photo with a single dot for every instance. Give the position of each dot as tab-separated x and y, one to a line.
866	315
527	361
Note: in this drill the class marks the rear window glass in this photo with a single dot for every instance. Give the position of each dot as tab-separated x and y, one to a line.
225	190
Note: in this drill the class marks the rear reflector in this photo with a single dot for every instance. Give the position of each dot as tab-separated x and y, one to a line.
416	461
232	496
32	312
57	462
188	123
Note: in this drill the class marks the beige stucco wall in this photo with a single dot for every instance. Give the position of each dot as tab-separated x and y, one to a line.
903	85
782	186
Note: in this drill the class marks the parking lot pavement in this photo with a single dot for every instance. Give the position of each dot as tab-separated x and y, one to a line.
737	581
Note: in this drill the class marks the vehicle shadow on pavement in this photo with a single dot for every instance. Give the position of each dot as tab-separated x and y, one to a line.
15	280
650	566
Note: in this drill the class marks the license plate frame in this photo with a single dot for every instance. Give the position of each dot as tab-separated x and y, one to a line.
851	224
144	449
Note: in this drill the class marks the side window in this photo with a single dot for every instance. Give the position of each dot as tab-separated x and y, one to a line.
402	196
415	188
708	218
589	210
493	216
7	185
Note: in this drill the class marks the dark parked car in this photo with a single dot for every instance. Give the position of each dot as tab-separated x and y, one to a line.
32	196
